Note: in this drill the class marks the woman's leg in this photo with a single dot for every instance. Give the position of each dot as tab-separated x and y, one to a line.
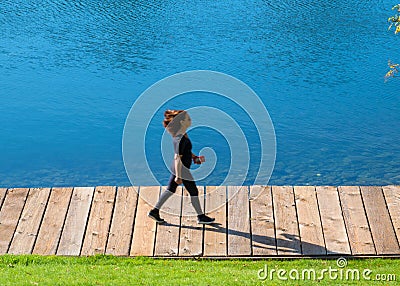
172	185
194	195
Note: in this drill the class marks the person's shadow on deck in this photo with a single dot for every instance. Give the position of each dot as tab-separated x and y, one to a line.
289	246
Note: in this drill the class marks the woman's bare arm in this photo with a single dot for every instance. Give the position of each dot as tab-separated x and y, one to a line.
178	169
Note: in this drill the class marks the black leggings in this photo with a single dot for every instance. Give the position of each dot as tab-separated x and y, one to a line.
189	185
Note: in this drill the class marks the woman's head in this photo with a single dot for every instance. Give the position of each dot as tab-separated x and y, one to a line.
176	120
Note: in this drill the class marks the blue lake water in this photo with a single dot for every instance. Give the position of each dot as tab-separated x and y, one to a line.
71	70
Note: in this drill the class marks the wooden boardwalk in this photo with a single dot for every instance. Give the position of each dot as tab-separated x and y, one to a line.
256	221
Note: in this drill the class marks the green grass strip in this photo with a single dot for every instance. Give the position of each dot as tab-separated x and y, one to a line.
110	270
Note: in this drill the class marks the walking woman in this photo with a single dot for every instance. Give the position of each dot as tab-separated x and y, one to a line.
177	122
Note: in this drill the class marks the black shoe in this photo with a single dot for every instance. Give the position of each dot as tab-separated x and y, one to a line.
155	214
203	219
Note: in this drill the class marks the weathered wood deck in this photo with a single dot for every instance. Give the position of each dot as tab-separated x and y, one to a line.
256	221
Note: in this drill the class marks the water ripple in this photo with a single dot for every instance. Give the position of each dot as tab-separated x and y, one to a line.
318	66
72	33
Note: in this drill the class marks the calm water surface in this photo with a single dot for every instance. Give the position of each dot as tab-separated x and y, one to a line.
71	70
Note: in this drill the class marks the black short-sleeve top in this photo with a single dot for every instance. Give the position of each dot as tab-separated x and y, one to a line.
183	147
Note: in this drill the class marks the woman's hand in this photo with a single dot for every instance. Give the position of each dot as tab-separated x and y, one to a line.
198	160
178	180
195	159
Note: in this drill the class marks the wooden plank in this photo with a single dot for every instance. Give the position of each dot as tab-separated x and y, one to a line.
215	235
379	221
239	241
53	221
191	236
392	197
144	232
75	223
262	221
311	236
356	221
167	239
29	223
99	221
120	237
3	192
9	215
287	229
333	226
